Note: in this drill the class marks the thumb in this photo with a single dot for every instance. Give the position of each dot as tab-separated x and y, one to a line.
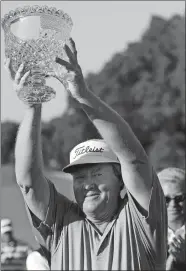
72	101
51	74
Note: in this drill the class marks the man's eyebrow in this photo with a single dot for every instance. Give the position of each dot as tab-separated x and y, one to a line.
175	195
79	172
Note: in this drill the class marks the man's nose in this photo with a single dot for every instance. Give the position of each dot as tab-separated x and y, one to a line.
90	183
89	186
172	203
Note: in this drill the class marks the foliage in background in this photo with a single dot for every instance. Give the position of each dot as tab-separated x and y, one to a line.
145	84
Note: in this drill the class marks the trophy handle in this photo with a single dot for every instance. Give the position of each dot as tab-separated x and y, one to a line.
35	90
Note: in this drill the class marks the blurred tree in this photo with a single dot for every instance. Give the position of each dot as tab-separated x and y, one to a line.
167	151
47	148
145	84
8	135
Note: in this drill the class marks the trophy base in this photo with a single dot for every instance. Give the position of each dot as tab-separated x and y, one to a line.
36	94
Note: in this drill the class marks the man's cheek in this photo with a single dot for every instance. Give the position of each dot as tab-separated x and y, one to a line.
103	188
78	194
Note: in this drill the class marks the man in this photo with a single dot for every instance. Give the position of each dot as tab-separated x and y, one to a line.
13	252
173	184
101	231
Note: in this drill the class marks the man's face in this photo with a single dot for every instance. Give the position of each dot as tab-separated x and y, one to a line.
175	199
96	188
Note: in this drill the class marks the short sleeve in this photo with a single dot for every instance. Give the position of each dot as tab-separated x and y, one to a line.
153	227
156	208
47	232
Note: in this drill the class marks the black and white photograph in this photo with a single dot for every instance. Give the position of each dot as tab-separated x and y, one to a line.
93	135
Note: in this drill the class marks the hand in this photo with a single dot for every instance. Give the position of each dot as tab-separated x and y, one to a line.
177	248
19	81
72	78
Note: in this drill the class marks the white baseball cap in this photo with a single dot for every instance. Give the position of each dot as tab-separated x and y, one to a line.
91	152
6	225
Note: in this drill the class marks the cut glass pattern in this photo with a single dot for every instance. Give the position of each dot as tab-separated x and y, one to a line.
38	55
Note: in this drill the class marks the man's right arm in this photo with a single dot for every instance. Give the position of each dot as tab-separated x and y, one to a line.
29	163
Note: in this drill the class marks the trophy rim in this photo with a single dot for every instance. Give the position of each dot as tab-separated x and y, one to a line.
25	11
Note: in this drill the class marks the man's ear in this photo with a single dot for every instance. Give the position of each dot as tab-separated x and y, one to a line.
121	184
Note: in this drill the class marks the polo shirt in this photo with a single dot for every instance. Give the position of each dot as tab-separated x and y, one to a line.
129	242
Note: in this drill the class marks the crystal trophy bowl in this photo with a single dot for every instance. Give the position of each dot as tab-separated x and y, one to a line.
35	36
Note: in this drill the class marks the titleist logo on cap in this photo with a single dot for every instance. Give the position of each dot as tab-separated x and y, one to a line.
90	152
82	150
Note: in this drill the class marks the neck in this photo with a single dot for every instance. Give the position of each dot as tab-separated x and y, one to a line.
101	220
176	224
100	226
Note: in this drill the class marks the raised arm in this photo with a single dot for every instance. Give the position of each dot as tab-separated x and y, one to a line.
28	156
136	170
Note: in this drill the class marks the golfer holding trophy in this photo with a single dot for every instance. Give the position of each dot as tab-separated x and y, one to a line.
101	230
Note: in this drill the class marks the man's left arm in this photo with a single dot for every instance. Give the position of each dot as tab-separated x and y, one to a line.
135	166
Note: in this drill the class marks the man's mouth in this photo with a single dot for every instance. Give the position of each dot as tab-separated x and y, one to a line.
92	194
174	211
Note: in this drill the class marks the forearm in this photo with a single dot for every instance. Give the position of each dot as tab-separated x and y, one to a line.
135	167
28	152
169	263
112	127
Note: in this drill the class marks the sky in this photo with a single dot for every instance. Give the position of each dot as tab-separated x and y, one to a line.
100	29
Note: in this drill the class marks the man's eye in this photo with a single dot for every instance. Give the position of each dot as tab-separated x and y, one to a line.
80	177
97	174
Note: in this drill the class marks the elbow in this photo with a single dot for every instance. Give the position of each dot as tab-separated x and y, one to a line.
27	168
23	180
26	179
25	189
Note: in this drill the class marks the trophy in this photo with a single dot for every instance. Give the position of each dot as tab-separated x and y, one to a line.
35	36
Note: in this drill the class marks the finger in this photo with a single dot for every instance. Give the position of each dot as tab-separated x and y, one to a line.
176	242
174	245
73	47
69	76
7	65
23	79
8	68
70	54
18	74
50	74
179	241
64	63
180	238
5	61
174	254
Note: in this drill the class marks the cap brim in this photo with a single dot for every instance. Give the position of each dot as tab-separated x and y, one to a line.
88	160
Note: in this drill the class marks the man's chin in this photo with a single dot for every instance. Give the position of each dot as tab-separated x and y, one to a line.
174	214
90	206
